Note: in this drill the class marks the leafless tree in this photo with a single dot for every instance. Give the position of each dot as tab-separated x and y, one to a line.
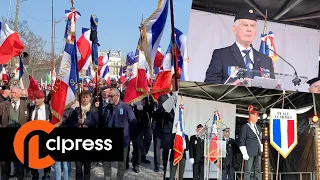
34	45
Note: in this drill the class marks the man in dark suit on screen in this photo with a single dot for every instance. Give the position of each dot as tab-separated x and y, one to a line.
251	146
224	61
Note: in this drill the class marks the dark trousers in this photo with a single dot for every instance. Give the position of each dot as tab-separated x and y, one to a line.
46	173
137	143
85	174
6	170
156	148
252	164
228	172
173	169
121	167
128	154
198	171
147	138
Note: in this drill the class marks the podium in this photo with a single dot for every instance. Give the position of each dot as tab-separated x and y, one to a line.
219	154
263	79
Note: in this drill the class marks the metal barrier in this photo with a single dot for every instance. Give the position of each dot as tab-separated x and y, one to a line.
237	175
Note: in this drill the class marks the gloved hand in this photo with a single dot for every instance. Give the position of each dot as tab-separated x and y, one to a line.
140	107
245	157
244	152
191	160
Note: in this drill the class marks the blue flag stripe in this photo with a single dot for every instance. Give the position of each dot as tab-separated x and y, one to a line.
277	132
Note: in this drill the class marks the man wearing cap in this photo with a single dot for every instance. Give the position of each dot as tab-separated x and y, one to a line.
196	153
5	94
13	114
228	162
240	54
314	85
40	111
251	146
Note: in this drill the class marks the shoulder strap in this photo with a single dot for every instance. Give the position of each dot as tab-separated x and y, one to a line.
254	131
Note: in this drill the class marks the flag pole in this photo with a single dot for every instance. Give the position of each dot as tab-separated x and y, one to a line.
265	23
173	50
277	171
79	92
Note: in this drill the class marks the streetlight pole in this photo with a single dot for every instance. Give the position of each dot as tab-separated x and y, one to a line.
54	22
52	45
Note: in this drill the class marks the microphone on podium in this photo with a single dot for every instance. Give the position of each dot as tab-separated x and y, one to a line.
296	81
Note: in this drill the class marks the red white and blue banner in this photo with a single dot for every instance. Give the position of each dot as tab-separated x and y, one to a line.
183	58
10	43
162	84
152	30
84	47
267	42
64	90
214	149
283	130
179	141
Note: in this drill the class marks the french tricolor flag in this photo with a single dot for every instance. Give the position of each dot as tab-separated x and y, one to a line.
84	47
162	84
153	30
181	41
179	141
10	44
64	94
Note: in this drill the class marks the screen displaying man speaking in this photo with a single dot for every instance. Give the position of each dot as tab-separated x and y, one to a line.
241	54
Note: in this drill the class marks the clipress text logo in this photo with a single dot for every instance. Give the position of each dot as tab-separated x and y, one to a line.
39	144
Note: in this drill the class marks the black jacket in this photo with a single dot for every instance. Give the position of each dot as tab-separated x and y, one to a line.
232	149
164	120
249	139
92	117
222	59
48	112
196	149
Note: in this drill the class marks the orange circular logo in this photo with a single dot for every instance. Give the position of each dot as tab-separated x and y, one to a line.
34	161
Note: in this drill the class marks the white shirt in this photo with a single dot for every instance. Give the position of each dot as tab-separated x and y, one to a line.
17	104
254	127
243	54
41	113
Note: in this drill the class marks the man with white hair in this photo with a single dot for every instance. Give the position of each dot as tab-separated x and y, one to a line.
241	54
13	114
314	85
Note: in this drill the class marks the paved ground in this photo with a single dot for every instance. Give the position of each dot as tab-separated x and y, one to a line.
146	171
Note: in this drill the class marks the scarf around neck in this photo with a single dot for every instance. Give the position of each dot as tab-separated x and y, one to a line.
85	109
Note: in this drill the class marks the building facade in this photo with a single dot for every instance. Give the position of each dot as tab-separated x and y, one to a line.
115	61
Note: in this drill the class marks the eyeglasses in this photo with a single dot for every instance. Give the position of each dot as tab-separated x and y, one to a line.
111	96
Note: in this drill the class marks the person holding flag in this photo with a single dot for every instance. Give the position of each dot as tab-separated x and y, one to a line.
228	162
251	146
239	55
196	153
180	144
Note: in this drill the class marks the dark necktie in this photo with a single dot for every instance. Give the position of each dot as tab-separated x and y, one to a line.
257	130
36	114
249	64
15	107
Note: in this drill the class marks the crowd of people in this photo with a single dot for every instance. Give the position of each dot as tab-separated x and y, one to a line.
143	122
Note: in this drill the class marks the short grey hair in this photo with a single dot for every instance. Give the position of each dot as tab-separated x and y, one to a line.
116	91
17	88
236	23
